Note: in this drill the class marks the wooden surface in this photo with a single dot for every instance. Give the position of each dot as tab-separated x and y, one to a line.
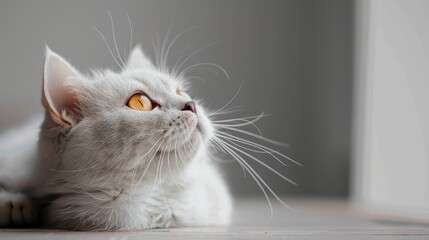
312	219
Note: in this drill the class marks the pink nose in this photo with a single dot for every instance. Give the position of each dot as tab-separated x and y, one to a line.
190	106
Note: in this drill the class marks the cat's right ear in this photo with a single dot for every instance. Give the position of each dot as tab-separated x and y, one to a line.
138	60
61	82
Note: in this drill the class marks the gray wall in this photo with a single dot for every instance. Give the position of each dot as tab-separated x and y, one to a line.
293	59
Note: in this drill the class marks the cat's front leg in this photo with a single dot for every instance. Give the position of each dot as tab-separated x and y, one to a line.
15	210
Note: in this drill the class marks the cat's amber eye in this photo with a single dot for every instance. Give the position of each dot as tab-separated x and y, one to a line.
140	102
182	93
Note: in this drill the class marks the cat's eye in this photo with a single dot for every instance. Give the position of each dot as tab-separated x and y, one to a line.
182	93
140	102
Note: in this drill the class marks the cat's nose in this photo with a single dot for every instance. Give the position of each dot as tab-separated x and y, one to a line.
190	106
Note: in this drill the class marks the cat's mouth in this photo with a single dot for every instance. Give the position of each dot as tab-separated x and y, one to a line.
199	128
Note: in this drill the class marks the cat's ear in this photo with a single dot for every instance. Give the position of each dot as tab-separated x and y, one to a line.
138	60
61	82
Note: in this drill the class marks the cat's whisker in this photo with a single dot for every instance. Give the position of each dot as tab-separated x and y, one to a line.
246	142
181	56
175	154
197	78
162	64
114	39
167	52
258	137
261	150
177	68
153	146
219	143
182	155
189	148
131	33
239	147
156	49
221	124
206	69
253	173
182	152
263	181
252	118
125	49
268	149
224	111
139	180
190	68
108	47
147	167
168	159
160	177
231	100
156	178
264	164
239	123
210	144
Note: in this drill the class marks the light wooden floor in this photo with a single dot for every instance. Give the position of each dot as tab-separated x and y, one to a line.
312	219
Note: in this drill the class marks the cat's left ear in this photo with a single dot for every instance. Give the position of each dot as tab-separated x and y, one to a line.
61	84
138	60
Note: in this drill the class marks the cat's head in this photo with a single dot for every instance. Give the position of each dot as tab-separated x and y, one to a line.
137	120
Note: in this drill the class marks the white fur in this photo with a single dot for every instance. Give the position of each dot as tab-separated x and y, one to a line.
18	149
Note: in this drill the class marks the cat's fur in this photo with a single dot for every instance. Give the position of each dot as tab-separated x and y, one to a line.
104	166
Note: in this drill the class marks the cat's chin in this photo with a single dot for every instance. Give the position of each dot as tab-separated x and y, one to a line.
192	141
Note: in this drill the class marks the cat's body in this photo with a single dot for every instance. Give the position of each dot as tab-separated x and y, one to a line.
18	164
103	165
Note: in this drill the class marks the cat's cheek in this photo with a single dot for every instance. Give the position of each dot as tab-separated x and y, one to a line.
205	128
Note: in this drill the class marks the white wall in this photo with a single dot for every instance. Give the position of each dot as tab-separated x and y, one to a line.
392	114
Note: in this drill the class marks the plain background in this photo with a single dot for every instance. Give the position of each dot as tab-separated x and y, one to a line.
292	58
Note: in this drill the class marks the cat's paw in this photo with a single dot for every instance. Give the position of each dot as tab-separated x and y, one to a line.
15	210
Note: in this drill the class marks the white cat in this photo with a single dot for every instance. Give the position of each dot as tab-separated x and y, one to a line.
123	150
